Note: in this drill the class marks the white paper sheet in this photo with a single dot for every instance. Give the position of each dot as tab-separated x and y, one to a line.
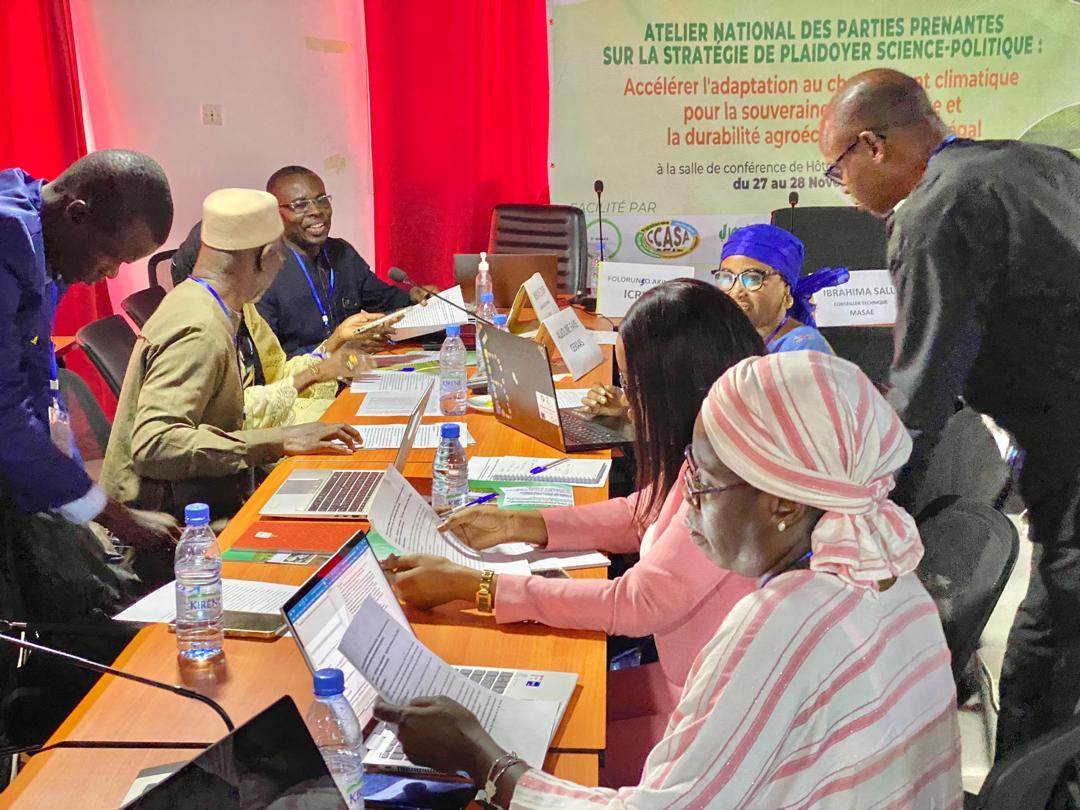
431	317
391	381
237	594
540	560
401	669
397	403
603	338
401	515
580	472
570	397
389	437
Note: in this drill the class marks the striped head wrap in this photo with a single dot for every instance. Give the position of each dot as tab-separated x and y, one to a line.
812	429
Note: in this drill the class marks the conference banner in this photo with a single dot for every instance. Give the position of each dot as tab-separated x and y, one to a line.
702	116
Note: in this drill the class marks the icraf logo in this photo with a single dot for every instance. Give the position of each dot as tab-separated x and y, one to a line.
667	239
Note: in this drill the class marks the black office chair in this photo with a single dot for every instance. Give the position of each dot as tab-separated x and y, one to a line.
140	305
1028	777
152	266
966	462
108	343
89	425
970	550
558	229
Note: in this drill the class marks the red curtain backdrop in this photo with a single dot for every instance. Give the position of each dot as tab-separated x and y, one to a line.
459	123
43	132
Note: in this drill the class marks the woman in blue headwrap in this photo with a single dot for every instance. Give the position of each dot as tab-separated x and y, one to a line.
759	269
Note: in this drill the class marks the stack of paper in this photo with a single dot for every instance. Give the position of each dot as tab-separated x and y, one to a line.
397	403
375	381
433	316
580	472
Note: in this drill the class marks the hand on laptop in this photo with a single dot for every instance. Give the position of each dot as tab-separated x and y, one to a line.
334	438
138	528
481	527
604	400
439	733
426	581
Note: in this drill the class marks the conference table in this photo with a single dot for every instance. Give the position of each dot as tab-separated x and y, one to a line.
256	673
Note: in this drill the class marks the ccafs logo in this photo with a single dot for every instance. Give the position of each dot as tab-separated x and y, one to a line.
667	239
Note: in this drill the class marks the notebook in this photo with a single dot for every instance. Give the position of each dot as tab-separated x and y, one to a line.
578	472
313	537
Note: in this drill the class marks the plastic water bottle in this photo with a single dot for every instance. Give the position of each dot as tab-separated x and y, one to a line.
484	312
199	609
450	472
592	282
336	730
500	320
483	281
453	398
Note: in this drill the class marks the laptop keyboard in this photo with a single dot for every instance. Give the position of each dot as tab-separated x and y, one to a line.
346	491
579	431
496	680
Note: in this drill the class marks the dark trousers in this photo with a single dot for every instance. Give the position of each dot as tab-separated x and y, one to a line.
1040	679
55	572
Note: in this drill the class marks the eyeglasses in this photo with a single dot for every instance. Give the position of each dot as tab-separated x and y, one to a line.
692	488
624	384
832	171
751	280
307	205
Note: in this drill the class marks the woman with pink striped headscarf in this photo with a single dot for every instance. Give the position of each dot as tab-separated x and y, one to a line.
830	685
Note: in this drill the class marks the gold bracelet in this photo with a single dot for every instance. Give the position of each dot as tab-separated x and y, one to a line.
485	601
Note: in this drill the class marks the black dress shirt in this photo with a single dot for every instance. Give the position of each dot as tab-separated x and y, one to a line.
985	254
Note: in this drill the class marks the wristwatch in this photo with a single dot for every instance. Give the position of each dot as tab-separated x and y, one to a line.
485	601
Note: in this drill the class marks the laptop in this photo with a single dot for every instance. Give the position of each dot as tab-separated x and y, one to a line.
269	759
340	493
319	613
523	395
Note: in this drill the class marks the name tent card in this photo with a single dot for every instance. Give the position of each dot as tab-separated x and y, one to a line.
622	283
575	343
867	299
540	297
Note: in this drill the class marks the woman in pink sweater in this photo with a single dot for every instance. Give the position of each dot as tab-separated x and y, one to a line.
675	341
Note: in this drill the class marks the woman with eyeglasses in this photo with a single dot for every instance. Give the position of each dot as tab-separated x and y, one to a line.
829	685
759	269
675	341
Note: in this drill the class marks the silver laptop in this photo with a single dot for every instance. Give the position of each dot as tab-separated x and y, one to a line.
340	493
322	609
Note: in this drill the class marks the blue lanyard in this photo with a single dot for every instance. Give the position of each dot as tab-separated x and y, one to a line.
54	370
213	292
775	332
766	580
315	293
941	146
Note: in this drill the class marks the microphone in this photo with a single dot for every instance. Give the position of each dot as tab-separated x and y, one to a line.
598	187
401	277
792	200
86	663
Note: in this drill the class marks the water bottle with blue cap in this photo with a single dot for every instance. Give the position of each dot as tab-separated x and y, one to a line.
336	730
199	607
453	395
450	471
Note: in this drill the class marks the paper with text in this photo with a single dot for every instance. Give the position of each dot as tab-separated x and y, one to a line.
543	302
389	437
244	595
574	342
390	381
397	403
401	515
402	669
433	316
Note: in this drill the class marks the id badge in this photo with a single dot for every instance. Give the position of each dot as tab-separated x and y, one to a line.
60	430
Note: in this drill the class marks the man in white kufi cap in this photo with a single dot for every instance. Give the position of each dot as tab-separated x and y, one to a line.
178	435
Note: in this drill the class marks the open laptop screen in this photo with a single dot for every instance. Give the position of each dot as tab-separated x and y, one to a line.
319	613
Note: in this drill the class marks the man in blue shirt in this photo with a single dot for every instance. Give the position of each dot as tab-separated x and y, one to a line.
324	281
107	209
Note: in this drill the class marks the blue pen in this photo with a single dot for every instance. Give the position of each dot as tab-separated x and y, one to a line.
482	499
409	368
546	467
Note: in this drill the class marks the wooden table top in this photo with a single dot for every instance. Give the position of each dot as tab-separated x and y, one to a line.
258	672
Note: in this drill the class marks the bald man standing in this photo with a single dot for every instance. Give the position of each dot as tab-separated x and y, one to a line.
984	248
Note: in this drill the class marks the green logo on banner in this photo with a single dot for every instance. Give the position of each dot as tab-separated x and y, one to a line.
667	239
